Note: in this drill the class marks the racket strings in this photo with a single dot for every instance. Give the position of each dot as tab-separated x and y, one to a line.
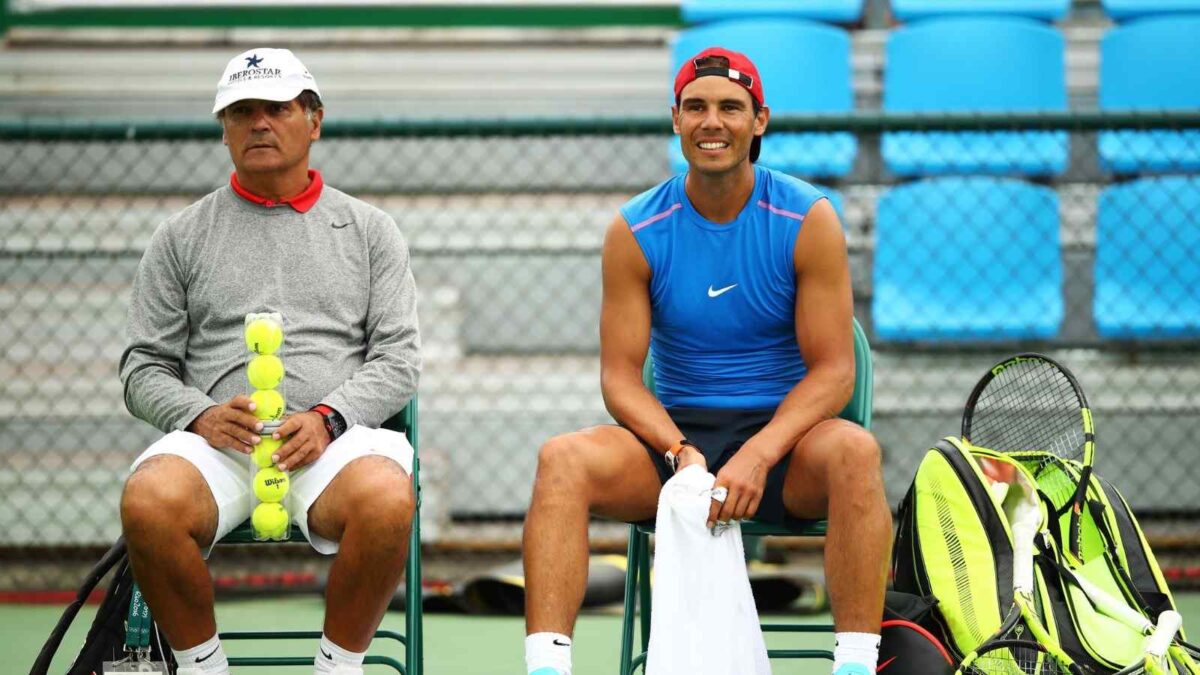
1028	659
1052	476
1030	406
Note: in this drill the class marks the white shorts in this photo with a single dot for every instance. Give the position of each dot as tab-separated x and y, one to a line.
228	474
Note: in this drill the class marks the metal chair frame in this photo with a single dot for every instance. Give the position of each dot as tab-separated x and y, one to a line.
413	640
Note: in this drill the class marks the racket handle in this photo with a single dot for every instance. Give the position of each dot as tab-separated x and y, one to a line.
1026	520
1114	608
1169	623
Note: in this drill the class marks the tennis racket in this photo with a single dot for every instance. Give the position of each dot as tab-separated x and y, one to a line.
1161	646
1031	402
1158	643
1013	657
1009	651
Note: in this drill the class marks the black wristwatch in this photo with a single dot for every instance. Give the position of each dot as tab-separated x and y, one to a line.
672	456
335	424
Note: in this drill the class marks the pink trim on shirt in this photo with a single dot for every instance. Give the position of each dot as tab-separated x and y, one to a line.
657	217
780	212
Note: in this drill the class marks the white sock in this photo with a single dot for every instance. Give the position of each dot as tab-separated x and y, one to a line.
330	655
207	657
548	650
860	648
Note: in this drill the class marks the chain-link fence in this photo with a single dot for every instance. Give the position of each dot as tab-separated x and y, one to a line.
987	236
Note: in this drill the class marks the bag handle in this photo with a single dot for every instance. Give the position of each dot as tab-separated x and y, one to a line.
110	559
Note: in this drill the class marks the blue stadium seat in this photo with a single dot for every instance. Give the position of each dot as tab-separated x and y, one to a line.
911	10
1151	64
837	11
967	259
1132	9
805	68
975	64
1147	245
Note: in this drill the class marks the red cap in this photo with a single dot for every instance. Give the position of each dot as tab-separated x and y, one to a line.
741	70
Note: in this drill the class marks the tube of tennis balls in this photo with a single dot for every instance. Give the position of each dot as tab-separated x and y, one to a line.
265	374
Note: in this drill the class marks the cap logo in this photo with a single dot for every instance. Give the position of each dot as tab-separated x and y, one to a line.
732	74
255	71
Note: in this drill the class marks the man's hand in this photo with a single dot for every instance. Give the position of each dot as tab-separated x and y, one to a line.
745	477
689	455
308	439
229	425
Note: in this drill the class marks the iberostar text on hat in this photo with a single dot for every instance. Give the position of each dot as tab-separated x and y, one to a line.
265	74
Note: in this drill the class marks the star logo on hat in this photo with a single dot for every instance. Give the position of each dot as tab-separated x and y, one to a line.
252	61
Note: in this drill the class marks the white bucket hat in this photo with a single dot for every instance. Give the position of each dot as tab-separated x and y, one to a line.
265	74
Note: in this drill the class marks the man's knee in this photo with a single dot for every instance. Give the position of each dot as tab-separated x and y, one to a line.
166	497
562	463
379	497
852	451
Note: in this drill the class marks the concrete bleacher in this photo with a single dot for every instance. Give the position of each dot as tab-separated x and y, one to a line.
506	257
363	75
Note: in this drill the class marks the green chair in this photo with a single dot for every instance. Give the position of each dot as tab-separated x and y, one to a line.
637	575
406	422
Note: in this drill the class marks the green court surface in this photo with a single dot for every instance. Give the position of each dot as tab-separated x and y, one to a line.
454	644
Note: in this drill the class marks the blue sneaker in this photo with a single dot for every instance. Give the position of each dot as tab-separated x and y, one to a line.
546	671
852	669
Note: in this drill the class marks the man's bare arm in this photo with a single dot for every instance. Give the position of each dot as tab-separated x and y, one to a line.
824	331
625	340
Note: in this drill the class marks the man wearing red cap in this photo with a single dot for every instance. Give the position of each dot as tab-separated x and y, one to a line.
737	277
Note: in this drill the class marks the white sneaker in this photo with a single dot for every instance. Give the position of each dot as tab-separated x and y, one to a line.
343	669
193	671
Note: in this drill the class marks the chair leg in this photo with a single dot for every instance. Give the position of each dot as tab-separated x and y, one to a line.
644	589
632	566
754	547
413	606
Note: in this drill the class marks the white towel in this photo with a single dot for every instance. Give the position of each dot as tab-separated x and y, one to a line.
704	621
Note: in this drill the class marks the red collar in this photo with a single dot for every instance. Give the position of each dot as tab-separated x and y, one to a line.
301	202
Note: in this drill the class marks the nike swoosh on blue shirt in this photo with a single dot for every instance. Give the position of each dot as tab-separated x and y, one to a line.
720	291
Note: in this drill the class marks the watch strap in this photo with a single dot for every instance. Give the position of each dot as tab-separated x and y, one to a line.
672	455
335	424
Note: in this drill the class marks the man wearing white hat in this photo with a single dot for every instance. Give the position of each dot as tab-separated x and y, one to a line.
275	239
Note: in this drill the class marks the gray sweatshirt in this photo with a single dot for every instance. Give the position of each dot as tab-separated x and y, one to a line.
338	273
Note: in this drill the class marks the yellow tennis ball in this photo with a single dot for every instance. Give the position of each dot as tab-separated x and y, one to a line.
270	485
265	371
270	521
263	336
266	447
268	404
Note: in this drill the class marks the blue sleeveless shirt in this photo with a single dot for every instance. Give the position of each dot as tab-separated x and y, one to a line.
723	296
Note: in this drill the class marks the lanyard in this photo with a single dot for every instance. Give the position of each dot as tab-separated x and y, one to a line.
137	626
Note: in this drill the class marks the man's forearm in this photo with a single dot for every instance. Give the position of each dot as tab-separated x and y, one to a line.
821	395
379	389
156	396
633	406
